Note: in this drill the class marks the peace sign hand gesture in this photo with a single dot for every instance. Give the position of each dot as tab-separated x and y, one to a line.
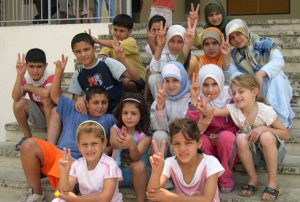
119	49
157	159
61	64
21	65
161	36
190	33
65	162
161	96
195	88
193	14
90	33
204	108
225	46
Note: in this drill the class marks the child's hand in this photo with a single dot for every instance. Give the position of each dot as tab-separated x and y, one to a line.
190	33
61	64
80	105
21	65
159	195
213	139
225	46
125	140
119	49
195	88
90	33
65	162
161	96
157	159
161	36
194	14
204	108
68	196
255	133
151	36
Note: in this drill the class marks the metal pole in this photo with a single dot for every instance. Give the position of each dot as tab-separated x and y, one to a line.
49	12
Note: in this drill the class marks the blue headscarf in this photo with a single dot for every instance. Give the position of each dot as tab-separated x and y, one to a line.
171	70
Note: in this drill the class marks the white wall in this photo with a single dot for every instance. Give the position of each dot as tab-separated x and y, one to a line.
53	39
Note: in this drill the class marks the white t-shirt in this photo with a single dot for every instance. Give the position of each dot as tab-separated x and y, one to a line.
208	166
266	115
91	181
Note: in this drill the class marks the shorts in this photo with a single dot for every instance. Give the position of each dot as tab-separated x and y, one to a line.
52	155
37	116
258	155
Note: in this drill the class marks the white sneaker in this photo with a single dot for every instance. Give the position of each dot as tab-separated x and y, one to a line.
30	197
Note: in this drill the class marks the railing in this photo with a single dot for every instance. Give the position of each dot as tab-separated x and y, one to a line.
28	12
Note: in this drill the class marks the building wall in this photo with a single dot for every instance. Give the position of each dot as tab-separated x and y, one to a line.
53	39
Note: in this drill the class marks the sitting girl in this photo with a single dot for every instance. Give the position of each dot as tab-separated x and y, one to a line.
195	175
96	173
259	126
131	139
218	132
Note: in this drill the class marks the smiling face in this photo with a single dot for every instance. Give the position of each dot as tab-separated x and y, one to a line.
97	105
36	70
91	148
215	18
238	40
243	97
85	53
131	115
210	88
185	149
173	86
211	47
175	44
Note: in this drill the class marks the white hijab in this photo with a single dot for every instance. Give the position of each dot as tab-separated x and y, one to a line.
174	30
215	72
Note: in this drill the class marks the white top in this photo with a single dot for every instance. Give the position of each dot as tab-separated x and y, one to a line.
91	181
265	115
208	166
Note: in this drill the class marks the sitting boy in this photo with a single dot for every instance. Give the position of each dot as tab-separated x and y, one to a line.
39	156
122	26
36	83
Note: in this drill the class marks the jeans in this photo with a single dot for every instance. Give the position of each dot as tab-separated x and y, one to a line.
110	6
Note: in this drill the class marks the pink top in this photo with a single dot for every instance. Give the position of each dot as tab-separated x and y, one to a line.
91	181
163	4
45	81
208	166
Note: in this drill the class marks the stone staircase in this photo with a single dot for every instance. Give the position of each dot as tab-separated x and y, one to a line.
285	32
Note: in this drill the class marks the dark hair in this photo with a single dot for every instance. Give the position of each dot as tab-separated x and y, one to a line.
248	81
85	37
35	55
123	20
95	90
138	100
156	18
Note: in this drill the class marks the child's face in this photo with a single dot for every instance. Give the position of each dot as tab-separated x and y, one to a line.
211	48
238	40
36	70
91	148
131	115
173	86
155	28
121	33
215	18
243	97
175	44
210	88
85	53
185	149
97	105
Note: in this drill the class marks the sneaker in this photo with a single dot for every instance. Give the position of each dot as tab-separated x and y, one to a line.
30	197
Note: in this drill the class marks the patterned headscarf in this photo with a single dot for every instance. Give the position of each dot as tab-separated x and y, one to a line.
256	54
176	70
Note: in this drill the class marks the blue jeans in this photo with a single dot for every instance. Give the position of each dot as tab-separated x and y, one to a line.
110	6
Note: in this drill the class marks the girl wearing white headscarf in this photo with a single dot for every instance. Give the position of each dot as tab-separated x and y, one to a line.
219	132
261	56
175	49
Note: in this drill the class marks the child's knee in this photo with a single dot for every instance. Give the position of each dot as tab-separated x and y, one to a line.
20	105
28	145
267	138
139	167
242	140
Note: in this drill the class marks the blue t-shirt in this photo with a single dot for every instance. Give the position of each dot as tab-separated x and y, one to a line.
71	119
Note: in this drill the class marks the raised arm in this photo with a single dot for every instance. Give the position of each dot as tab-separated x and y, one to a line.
189	37
17	91
56	85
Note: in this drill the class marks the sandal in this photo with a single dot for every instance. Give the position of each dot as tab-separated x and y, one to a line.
226	189
271	191
247	188
20	142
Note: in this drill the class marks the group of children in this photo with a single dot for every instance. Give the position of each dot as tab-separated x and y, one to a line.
207	113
